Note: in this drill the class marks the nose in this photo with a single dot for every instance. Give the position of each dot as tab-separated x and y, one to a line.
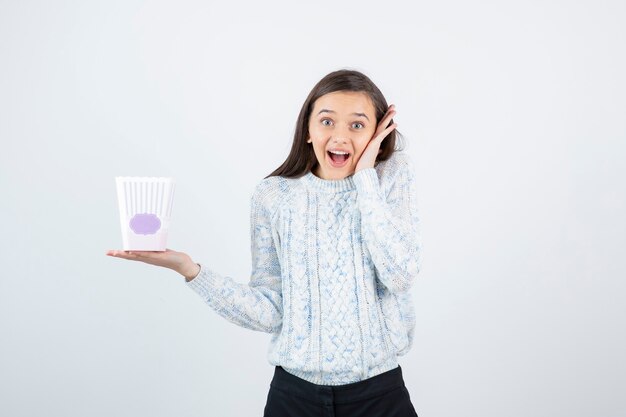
340	136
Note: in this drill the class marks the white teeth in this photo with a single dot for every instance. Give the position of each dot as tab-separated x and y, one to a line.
339	152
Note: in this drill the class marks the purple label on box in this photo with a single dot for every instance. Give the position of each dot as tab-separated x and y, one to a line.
145	223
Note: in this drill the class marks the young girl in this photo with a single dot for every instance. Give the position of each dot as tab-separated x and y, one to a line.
335	252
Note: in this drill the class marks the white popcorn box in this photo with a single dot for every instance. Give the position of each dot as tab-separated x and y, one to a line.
145	205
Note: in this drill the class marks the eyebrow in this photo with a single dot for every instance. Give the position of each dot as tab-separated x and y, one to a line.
332	111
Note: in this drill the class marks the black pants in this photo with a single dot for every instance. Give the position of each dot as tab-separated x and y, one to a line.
382	395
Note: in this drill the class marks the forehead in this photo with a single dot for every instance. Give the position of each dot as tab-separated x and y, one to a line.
345	102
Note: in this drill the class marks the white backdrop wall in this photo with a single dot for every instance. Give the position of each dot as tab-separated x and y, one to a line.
513	112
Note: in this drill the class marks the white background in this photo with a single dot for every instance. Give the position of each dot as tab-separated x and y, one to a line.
513	112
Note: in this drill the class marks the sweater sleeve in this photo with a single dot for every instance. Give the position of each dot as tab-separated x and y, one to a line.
390	224
256	305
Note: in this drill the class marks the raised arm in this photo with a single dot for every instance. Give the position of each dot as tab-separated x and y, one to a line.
390	224
256	305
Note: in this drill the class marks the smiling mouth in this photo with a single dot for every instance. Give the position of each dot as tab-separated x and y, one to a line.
338	161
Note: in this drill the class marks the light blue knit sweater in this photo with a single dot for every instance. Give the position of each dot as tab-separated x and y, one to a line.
333	263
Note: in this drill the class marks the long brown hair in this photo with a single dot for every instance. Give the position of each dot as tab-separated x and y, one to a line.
302	157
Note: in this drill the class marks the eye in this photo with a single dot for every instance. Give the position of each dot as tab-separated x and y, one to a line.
325	120
357	123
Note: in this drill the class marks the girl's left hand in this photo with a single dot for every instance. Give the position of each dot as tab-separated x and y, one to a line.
171	259
368	157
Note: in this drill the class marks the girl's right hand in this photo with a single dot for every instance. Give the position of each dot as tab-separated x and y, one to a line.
176	261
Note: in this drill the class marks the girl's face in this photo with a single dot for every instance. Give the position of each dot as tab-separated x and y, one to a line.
343	121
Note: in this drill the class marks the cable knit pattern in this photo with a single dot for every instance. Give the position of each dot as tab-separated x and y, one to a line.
332	265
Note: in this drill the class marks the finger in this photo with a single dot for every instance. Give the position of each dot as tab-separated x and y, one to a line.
144	254
118	254
123	254
386	132
383	124
386	119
